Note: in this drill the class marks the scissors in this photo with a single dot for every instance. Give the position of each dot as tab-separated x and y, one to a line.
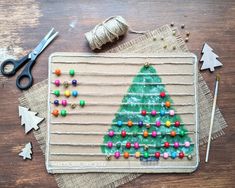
30	58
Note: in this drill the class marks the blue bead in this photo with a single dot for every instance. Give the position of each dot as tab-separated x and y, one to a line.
75	93
173	155
140	123
119	123
74	82
56	102
162	112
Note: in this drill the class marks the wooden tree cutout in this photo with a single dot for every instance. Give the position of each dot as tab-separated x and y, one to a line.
29	119
26	152
209	58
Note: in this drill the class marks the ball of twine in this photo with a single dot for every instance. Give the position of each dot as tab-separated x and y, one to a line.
107	31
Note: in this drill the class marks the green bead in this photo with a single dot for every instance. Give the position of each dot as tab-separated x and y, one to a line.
71	72
182	132
146	154
63	113
82	103
57	93
118	145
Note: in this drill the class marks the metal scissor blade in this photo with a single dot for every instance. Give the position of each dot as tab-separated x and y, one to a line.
49	41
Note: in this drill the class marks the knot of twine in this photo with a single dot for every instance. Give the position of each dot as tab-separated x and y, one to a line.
107	31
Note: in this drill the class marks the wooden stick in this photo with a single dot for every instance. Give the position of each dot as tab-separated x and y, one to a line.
212	116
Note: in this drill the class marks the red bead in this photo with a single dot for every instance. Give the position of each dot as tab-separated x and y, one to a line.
128	145
166	144
162	94
58	72
123	133
143	112
177	123
181	155
157	154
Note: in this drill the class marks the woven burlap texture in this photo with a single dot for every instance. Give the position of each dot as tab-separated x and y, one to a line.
36	99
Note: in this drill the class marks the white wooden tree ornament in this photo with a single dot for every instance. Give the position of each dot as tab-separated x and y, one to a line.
209	58
26	152
29	119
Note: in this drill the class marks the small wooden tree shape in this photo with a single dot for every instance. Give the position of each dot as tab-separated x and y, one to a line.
26	152
209	58
29	119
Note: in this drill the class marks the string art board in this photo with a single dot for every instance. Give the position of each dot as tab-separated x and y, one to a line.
122	113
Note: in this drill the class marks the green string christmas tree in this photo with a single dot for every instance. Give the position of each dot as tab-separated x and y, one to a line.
146	125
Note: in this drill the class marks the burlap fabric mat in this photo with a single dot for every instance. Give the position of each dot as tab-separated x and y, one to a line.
36	99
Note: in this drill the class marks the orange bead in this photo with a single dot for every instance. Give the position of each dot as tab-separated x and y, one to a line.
129	123
58	72
173	133
167	104
145	134
126	155
55	113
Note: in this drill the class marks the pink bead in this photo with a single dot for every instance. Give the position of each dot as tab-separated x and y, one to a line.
153	112
117	154
187	144
172	112
154	134
64	102
136	145
110	144
158	123
111	133
176	144
165	155
57	83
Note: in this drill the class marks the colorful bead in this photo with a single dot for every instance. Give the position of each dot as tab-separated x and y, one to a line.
136	145
171	112
167	104
57	83
71	72
181	155
153	112
55	113
118	145
154	134
110	144
75	93
158	123
173	133
58	72
162	94
140	123
190	157
117	154
187	144
173	155
146	154
63	113
157	155
111	133
73	105
67	93
126	155
162	112
82	103
74	82
176	145
64	102
166	145
123	133
168	123
143	112
66	84
165	155
129	123
145	134
128	145
182	133
148	125
56	102
108	157
119	123
177	124
146	147
56	93
137	154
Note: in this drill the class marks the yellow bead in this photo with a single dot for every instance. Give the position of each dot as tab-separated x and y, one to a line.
137	154
168	123
67	93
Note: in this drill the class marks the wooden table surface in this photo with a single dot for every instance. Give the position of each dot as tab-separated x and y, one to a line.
24	22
